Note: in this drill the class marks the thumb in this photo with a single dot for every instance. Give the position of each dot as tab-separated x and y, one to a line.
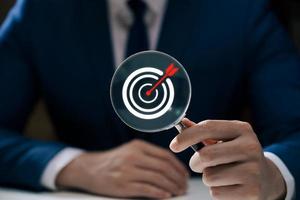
187	123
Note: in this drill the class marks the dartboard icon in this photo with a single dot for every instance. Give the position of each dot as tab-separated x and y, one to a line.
148	93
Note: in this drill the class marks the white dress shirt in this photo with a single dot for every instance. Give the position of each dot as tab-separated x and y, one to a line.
121	18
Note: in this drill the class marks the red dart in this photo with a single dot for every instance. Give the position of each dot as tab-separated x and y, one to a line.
169	72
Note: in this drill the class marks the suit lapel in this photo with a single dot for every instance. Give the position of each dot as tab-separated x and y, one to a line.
98	41
102	64
176	28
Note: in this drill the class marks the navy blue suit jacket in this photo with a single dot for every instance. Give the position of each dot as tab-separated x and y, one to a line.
235	51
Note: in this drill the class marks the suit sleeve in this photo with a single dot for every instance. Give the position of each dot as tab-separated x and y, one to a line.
274	81
22	160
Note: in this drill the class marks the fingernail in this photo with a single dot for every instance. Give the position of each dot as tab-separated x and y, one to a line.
185	120
173	144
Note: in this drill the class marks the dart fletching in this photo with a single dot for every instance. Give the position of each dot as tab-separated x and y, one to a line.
171	70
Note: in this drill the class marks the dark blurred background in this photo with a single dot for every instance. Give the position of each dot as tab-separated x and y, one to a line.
288	12
39	125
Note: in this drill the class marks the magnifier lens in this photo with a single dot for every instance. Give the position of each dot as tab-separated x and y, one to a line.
150	91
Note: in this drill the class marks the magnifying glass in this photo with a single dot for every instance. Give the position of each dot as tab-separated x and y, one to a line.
151	92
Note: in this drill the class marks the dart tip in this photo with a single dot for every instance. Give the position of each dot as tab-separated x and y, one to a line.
148	93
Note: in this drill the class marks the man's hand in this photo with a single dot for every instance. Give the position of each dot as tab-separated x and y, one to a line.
234	168
136	169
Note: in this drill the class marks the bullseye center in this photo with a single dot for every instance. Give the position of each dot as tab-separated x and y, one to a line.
144	97
148	93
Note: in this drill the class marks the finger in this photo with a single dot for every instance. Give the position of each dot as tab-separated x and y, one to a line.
146	190
165	168
164	154
196	164
218	154
225	175
219	130
187	123
156	179
233	192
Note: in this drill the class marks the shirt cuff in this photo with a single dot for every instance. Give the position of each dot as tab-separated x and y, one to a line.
58	162
287	176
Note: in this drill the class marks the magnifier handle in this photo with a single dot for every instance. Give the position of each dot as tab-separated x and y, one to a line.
196	147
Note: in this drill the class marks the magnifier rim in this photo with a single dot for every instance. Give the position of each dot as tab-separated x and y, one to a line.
171	125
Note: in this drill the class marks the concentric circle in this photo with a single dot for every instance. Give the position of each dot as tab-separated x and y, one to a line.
140	96
138	110
150	91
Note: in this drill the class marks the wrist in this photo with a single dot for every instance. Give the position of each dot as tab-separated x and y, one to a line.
56	164
278	188
69	176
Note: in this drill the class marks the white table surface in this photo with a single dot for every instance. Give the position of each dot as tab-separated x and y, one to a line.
196	191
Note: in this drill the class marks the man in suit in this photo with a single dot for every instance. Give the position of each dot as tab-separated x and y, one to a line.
236	53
